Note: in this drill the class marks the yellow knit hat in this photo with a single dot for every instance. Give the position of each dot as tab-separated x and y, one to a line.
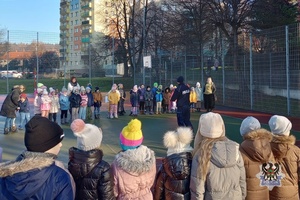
131	136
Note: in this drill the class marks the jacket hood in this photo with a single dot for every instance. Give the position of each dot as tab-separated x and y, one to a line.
257	146
225	154
136	161
281	145
178	165
26	172
82	162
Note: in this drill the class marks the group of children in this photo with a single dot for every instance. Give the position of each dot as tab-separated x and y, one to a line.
81	103
264	166
147	100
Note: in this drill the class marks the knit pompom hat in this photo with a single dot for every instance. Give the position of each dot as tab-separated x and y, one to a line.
88	136
198	84
178	141
280	125
249	124
131	136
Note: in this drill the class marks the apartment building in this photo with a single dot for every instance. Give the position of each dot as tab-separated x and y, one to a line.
79	22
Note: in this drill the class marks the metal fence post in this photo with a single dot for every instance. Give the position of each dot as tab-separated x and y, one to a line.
251	73
287	60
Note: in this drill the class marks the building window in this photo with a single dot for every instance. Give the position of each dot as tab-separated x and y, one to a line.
71	22
71	14
76	14
76	22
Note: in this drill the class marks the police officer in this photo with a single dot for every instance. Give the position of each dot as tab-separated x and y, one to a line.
182	96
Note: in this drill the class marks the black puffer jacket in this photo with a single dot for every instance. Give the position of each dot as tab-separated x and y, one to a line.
173	177
91	174
11	103
75	100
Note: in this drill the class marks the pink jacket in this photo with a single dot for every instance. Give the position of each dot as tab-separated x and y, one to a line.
45	102
131	179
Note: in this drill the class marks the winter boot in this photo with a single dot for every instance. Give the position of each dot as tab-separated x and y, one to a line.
13	128
6	131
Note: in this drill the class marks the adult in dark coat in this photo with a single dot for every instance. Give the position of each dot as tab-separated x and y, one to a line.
182	96
9	107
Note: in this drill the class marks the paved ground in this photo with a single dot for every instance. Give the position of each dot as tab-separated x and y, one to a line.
153	127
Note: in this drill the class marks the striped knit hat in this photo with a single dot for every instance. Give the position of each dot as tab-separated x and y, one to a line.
131	136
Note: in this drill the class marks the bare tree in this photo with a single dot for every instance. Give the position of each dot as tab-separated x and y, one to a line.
231	17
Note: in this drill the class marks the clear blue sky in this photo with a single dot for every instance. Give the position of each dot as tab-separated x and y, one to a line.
30	15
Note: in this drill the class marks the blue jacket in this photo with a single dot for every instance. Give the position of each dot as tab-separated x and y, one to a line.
90	99
64	102
158	96
35	176
24	106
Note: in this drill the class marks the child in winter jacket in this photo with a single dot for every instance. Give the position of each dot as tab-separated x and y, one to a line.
134	168
64	103
173	179
148	100
90	104
134	100
97	102
287	155
54	105
158	100
121	109
24	110
45	103
113	99
90	172
199	95
256	152
75	100
193	99
83	104
217	168
166	100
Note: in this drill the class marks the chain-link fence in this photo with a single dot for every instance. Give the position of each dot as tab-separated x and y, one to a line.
33	54
264	75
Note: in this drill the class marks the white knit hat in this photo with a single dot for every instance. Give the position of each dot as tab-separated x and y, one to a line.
211	125
280	125
45	92
249	124
178	141
197	84
88	136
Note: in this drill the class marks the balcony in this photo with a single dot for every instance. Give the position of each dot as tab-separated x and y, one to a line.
64	19
87	6
86	31
86	14
64	27
86	22
85	40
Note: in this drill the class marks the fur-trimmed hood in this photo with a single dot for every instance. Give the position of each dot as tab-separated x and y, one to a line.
256	145
136	161
29	176
25	162
281	145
